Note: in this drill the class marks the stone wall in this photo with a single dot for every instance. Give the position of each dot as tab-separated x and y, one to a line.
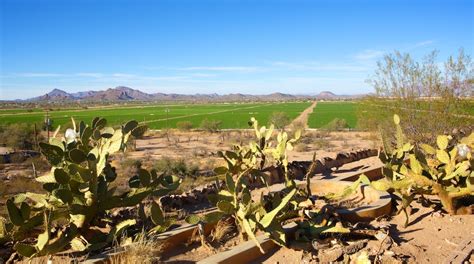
296	169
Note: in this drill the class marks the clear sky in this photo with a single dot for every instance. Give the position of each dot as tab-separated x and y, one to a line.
256	47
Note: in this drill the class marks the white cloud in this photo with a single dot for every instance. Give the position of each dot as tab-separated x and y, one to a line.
38	74
222	68
317	66
204	75
90	74
369	54
123	75
423	43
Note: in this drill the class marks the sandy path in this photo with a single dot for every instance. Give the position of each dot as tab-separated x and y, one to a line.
303	117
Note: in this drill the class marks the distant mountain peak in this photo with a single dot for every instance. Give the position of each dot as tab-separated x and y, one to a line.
124	88
57	91
124	93
54	95
326	95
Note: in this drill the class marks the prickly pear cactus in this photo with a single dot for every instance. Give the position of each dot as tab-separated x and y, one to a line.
266	213
73	212
445	170
244	166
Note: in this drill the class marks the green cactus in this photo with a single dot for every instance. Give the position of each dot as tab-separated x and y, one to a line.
244	166
78	193
445	170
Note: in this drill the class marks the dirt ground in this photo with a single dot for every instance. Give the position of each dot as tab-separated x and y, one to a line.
204	146
431	237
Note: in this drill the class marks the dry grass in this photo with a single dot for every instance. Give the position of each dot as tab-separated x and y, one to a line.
223	230
143	250
323	144
54	259
190	183
301	147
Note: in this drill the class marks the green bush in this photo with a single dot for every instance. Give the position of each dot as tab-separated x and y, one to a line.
337	124
177	167
279	119
19	136
432	99
184	125
210	125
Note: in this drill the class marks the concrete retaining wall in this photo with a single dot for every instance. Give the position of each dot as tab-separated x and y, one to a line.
297	170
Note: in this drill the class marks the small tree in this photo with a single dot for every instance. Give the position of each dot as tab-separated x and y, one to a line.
18	136
337	124
432	99
298	126
279	119
211	125
184	125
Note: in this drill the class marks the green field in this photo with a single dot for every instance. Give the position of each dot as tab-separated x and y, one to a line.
232	115
325	112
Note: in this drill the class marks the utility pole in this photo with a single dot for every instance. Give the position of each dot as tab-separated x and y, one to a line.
167	110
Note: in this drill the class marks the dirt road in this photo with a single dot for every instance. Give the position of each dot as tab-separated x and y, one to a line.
303	117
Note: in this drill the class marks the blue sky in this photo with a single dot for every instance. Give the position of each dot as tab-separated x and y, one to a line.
256	47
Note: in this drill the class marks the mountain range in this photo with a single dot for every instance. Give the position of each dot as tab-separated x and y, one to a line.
122	93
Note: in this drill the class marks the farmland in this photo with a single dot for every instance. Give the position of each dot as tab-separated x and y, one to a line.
325	112
232	115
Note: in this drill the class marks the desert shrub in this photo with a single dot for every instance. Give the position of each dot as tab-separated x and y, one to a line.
210	125
19	136
17	157
279	119
129	166
191	182
301	147
431	99
144	249
306	140
178	167
322	143
297	126
209	164
223	230
337	124
40	163
184	125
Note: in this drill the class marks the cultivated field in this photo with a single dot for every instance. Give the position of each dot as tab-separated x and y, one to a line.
325	112
232	115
